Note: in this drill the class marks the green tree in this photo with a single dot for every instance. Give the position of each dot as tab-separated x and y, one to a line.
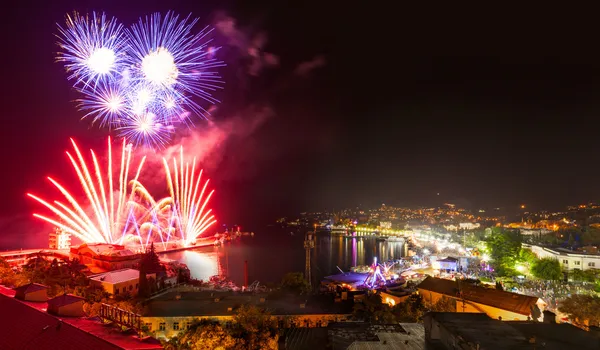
295	282
444	304
547	269
504	247
412	309
206	335
582	309
256	328
372	309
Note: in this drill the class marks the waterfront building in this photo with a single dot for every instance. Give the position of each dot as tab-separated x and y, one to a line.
569	260
102	257
470	298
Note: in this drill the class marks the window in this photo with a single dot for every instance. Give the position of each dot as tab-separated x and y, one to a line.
186	325
566	262
578	263
130	287
116	291
161	326
149	326
175	326
591	264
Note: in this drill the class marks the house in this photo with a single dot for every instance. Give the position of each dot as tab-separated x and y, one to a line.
470	298
119	281
569	260
66	305
32	292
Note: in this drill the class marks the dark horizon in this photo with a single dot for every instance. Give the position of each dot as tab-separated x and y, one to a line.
396	107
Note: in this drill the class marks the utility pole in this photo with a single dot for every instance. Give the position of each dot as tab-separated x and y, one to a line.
309	243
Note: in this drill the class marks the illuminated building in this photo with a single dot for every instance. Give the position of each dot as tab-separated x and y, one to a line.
59	239
105	257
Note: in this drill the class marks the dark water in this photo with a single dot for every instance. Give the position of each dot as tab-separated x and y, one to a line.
274	252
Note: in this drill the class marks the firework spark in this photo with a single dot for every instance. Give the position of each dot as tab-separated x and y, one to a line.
189	203
153	71
113	210
92	48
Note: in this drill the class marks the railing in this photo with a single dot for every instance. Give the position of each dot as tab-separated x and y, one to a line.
121	317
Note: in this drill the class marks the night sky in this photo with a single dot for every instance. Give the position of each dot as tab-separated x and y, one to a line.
400	104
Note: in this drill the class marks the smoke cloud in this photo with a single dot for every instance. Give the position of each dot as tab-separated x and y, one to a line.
249	45
305	68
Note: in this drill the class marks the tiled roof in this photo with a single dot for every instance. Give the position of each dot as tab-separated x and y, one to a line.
514	302
24	328
117	276
65	299
30	288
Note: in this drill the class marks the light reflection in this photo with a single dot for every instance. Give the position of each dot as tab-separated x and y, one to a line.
354	255
202	265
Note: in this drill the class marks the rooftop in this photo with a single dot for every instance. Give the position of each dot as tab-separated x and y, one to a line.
478	328
22	327
362	335
30	288
104	249
514	302
203	303
28	319
488	333
65	299
117	276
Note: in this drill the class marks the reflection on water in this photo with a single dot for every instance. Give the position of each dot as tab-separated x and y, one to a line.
275	252
202	264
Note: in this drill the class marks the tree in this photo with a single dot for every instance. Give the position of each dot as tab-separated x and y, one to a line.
582	309
504	247
411	310
547	269
372	309
295	282
207	335
143	290
444	304
256	328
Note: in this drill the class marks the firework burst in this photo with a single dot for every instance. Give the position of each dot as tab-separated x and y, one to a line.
92	48
145	81
189	200
115	205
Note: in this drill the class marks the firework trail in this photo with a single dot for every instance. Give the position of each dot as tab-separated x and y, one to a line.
144	81
115	204
189	201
